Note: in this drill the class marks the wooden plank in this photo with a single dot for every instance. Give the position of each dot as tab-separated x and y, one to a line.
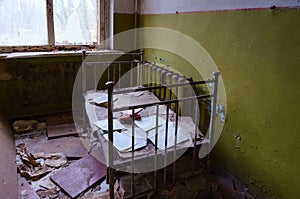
80	175
72	147
25	190
61	130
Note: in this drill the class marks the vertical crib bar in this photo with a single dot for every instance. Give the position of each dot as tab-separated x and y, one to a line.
132	155
174	80
175	146
153	80
213	113
141	71
163	82
131	75
108	72
119	79
141	64
166	145
110	86
83	71
169	81
83	84
155	152
95	78
145	74
197	116
180	94
150	75
158	81
114	72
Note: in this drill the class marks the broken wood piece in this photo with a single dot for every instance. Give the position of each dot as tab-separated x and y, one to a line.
56	160
36	175
60	119
61	130
71	147
80	175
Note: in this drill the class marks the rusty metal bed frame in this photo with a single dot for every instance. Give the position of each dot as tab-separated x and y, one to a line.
168	86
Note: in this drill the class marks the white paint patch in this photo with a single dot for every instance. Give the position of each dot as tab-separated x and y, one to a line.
124	6
173	6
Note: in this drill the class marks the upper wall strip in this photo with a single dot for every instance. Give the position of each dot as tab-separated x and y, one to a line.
175	6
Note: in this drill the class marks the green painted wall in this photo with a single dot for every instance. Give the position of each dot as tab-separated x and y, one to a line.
123	22
257	52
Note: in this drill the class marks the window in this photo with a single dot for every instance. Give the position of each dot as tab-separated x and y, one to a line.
75	21
23	22
48	22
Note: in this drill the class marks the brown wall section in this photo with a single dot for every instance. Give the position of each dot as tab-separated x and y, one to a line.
37	85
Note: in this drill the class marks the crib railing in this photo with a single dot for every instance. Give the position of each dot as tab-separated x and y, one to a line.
173	101
174	91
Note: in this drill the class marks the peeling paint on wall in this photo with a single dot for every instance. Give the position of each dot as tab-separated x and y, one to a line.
257	52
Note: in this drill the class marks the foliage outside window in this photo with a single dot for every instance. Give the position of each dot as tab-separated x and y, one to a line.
25	22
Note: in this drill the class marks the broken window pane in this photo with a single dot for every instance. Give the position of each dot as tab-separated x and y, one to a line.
75	21
23	22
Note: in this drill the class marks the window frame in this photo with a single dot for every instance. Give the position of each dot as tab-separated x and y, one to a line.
104	22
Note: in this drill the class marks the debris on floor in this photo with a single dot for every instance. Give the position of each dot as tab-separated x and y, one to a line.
25	190
104	194
80	175
53	162
60	126
20	126
141	184
30	167
61	130
72	147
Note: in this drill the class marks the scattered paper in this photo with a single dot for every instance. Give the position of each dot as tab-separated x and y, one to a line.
148	123
138	93
123	141
129	112
103	98
103	124
181	137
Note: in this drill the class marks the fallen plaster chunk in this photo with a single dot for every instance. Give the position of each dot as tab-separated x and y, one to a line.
56	160
104	193
20	126
36	175
44	183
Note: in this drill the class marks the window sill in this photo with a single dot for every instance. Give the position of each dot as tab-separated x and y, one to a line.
22	55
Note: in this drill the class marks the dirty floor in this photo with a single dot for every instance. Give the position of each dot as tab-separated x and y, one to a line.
54	162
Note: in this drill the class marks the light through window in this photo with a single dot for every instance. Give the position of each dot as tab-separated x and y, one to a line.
24	22
75	21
